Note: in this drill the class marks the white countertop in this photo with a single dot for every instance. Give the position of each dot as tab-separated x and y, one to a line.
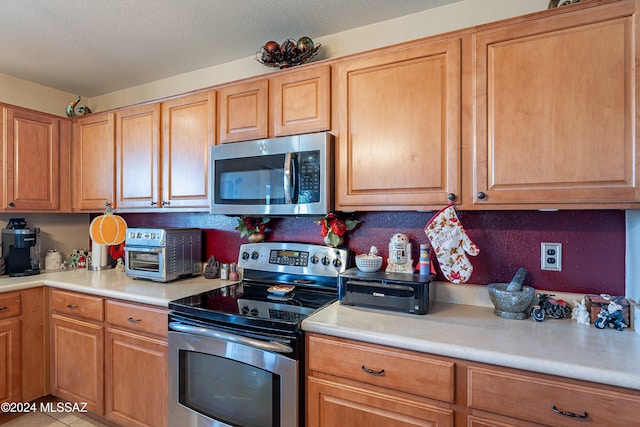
114	284
556	347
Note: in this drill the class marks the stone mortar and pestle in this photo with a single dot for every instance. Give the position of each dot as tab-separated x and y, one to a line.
512	300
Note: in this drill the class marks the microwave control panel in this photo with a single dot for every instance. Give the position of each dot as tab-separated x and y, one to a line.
309	162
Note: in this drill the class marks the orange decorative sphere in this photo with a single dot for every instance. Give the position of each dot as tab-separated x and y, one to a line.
108	229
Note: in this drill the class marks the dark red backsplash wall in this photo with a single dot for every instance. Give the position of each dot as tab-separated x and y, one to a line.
593	242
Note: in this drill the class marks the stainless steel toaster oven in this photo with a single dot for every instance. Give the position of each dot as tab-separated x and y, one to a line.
402	292
163	254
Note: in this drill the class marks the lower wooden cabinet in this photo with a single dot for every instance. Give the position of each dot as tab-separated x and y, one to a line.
111	355
22	346
352	383
136	379
10	365
545	400
77	358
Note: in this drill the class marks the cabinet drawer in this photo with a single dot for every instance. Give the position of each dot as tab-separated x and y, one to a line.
80	305
392	368
532	398
138	318
10	305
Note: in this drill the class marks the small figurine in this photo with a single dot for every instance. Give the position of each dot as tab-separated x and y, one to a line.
399	260
580	313
610	317
120	265
71	109
551	307
211	268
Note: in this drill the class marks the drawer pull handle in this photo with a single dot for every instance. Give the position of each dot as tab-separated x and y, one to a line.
71	306
570	414
132	320
372	372
4	308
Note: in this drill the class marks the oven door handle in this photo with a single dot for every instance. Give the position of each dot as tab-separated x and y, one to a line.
276	347
143	249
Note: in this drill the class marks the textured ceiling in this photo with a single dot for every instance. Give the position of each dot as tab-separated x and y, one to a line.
93	47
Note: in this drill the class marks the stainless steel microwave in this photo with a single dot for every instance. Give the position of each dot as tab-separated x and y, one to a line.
290	175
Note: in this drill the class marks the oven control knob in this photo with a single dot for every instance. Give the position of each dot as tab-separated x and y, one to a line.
314	259
245	255
254	312
337	263
255	255
326	260
245	310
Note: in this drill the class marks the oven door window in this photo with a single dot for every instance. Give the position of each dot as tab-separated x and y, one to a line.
144	261
233	392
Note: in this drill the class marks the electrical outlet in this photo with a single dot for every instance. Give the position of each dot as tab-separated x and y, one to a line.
551	256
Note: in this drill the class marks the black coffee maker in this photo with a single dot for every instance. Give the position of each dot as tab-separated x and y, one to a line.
20	248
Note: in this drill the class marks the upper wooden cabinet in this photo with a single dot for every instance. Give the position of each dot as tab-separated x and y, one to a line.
35	164
399	126
188	126
300	102
93	160
243	111
555	103
290	103
138	157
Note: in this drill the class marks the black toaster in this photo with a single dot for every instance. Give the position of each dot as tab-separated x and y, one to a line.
402	292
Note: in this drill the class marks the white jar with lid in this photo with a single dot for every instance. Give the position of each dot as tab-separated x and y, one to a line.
52	260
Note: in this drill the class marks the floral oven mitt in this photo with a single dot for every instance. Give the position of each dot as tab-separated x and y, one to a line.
451	245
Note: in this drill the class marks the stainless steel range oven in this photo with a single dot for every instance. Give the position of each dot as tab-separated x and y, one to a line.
236	354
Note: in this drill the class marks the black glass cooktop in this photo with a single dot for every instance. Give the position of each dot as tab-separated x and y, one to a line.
252	305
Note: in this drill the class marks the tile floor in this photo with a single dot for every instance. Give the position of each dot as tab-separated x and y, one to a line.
51	419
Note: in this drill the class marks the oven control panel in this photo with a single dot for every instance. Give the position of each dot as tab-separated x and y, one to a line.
294	258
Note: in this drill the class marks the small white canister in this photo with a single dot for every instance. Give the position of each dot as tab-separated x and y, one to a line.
53	260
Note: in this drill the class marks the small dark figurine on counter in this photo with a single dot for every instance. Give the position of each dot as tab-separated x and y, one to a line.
551	307
610	317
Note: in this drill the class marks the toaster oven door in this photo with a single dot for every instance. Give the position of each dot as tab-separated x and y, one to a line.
145	262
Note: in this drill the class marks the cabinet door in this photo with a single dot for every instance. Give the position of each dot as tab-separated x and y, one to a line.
10	365
334	404
399	132
32	163
555	101
93	160
300	102
77	362
136	379
188	125
243	110
138	157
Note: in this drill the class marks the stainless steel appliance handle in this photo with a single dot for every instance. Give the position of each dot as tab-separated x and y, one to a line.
262	345
142	249
288	177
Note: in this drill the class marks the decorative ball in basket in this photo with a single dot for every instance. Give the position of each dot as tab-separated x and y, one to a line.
288	54
370	262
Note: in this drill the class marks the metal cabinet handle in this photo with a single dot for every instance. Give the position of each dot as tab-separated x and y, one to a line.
481	195
154	203
107	204
451	196
570	414
132	320
373	372
4	308
165	203
71	306
12	204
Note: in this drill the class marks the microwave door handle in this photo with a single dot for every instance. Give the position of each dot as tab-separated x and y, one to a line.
225	336
288	177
